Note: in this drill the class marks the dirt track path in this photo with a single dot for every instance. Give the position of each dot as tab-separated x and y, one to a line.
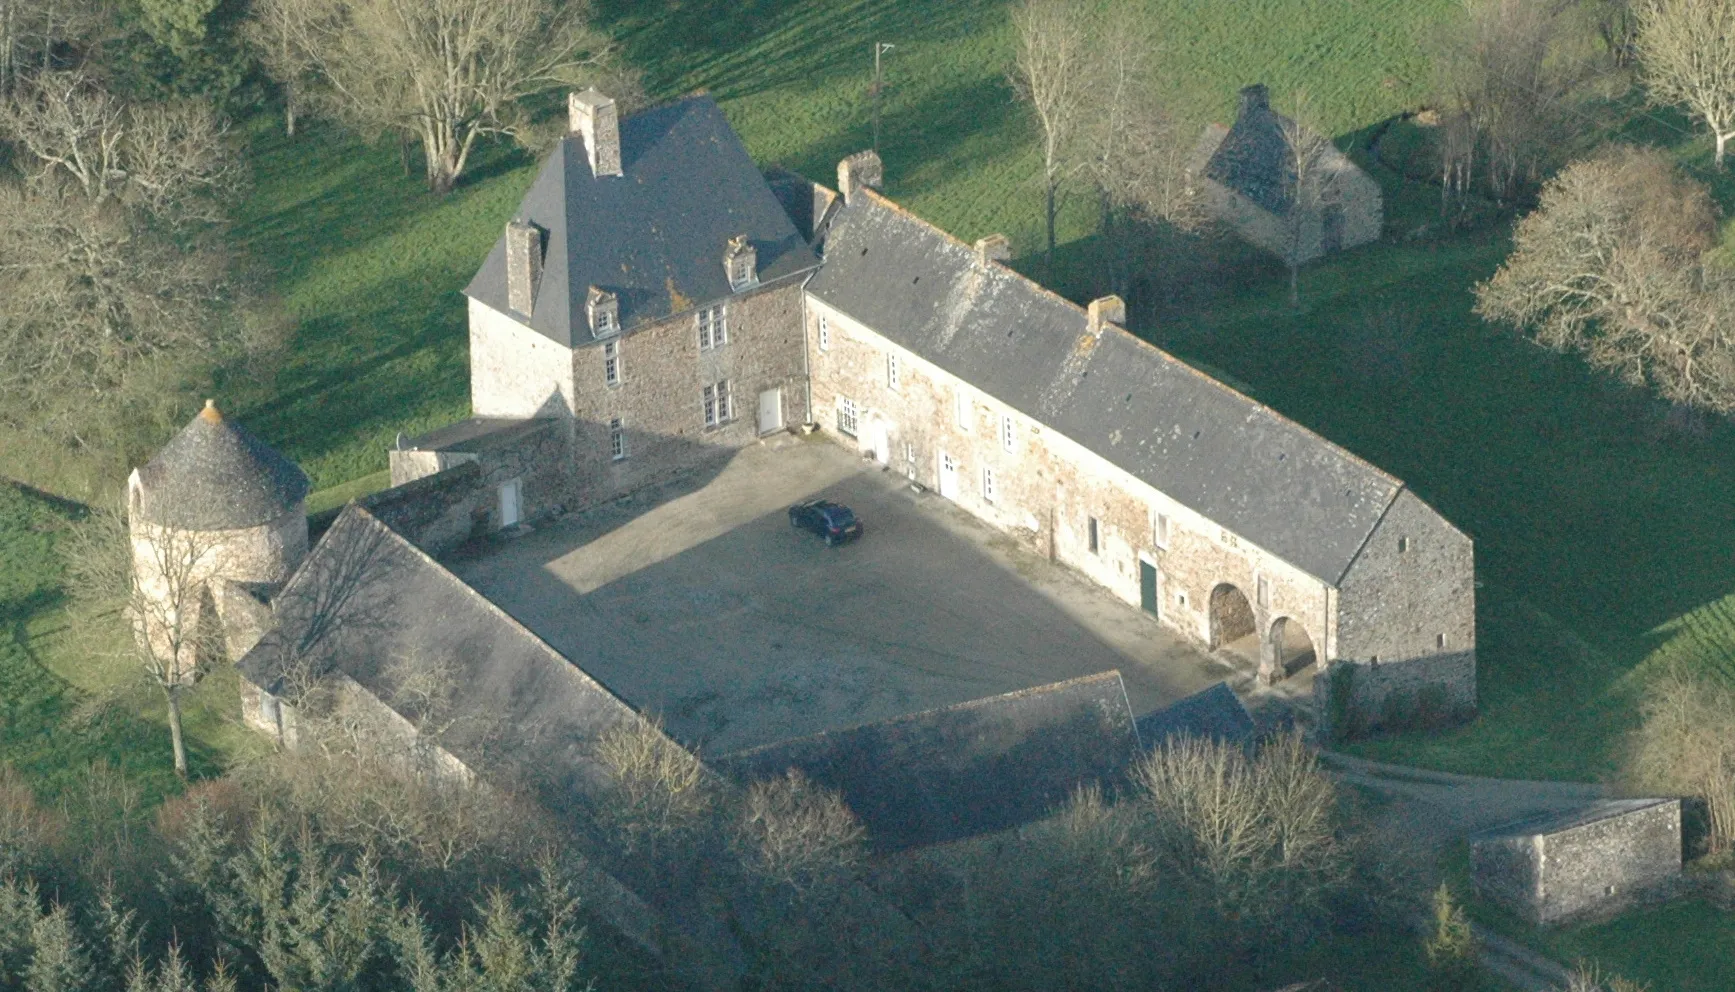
1436	808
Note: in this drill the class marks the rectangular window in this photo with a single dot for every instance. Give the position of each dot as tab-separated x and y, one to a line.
846	416
604	321
1403	545
718	406
617	440
1440	642
1006	435
961	400
713	327
1160	535
1264	592
1095	536
611	363
824	333
892	372
989	491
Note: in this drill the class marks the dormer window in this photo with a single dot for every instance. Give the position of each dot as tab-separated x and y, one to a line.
603	309
741	262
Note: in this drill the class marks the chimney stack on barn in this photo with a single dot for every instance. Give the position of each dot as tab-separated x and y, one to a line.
593	116
523	265
1255	97
863	169
993	248
1105	310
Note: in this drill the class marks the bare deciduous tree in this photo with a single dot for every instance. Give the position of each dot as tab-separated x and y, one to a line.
1049	73
660	788
447	72
801	835
1611	265
1308	184
283	35
1687	51
1508	81
1685	745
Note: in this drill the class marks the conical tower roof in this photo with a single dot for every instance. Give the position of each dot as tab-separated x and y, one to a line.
215	475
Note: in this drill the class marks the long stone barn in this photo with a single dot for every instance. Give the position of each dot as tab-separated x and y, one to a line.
1226	521
657	302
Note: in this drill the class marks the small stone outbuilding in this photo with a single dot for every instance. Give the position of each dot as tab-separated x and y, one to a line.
1245	175
1587	863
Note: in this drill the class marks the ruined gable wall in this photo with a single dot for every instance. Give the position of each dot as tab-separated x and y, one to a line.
1048	488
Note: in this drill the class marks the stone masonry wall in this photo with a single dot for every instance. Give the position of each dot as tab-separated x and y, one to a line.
1354	698
1608	863
660	400
1355	192
437	512
1048	488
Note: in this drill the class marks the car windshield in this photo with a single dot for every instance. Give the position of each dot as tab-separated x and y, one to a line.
839	516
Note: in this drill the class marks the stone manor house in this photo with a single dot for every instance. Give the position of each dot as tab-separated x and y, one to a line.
658	302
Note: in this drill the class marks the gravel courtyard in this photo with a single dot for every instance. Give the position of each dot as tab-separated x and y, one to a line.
701	603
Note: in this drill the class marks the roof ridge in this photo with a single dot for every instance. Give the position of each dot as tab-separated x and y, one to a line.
1084	313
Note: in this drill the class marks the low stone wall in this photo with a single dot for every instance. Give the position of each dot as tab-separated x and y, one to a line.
437	512
1356	698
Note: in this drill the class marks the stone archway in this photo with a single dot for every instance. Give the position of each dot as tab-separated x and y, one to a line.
1290	646
1232	624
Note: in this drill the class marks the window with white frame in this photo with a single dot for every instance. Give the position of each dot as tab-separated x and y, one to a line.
846	416
989	489
719	407
617	440
1160	530
1264	592
1007	437
713	327
892	371
824	333
611	363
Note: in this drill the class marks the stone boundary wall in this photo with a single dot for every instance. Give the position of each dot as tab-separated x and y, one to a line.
436	512
977	767
1355	698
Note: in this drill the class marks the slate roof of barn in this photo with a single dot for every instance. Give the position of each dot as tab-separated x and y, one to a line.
975	767
217	475
1253	158
366	597
655	235
1549	824
1209	447
1215	713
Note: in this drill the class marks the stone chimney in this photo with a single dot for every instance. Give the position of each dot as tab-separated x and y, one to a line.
993	248
859	170
1106	310
603	309
1255	97
741	262
593	116
523	265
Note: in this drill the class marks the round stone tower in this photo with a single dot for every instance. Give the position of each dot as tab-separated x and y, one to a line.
216	503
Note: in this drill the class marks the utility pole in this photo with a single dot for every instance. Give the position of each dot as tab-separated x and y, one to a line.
880	48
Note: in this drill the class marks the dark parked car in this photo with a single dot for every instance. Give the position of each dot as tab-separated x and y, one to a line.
832	521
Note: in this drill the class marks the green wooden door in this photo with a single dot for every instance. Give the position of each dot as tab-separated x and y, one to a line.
1148	587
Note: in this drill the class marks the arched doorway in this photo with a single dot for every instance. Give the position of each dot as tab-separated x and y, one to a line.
1232	626
1290	646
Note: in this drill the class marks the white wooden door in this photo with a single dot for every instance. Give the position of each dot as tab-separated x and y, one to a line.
511	502
770	411
948	476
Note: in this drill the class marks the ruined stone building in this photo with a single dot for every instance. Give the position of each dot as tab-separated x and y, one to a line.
1245	175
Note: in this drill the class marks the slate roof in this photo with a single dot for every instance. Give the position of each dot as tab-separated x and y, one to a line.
976	767
216	475
1215	714
1253	158
1549	824
1223	454
654	235
366	596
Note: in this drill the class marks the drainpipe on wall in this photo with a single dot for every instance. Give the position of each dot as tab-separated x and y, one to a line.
806	356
